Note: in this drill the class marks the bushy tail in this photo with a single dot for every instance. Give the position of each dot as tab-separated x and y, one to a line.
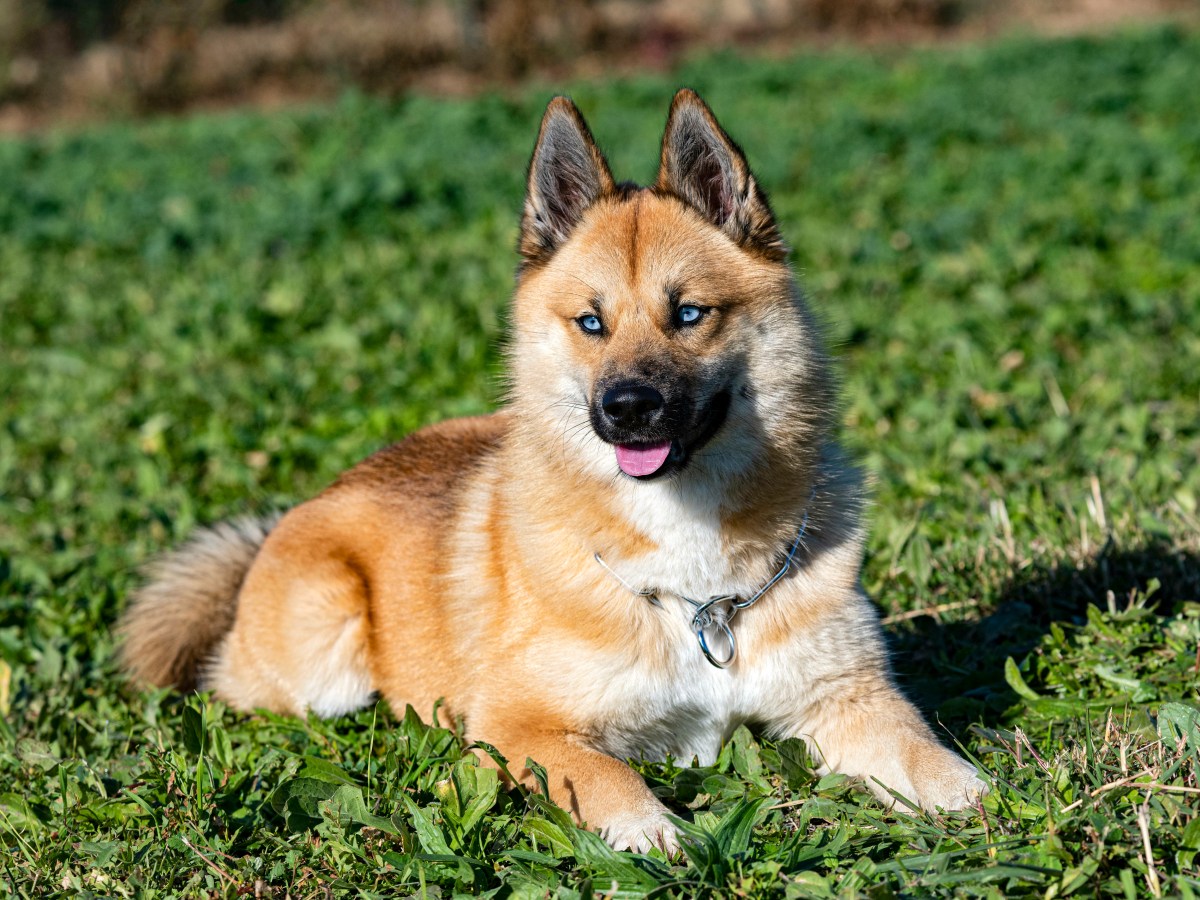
174	622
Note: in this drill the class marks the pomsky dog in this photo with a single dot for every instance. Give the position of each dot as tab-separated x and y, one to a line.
655	540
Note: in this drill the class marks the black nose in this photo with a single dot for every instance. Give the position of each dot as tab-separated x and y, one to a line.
632	405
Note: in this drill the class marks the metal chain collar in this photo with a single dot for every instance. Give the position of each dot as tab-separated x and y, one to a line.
711	618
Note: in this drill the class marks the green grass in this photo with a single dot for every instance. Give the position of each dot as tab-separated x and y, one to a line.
216	315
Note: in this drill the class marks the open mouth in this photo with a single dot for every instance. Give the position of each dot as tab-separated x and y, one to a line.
654	459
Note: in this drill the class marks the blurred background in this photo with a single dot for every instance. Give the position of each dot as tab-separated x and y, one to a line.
80	60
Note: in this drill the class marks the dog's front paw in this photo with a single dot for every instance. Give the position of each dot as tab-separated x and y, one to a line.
640	831
946	781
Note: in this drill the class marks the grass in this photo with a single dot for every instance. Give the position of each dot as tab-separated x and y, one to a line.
216	315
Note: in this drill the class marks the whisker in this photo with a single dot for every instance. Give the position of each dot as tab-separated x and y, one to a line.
595	291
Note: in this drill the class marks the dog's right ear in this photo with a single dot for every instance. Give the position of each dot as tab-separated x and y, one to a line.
567	174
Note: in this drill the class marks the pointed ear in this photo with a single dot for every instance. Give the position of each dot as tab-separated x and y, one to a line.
703	167
567	174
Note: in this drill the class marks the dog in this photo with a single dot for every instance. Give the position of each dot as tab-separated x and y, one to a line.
655	540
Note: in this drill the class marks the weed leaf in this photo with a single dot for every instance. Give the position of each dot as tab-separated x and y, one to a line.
1179	722
193	730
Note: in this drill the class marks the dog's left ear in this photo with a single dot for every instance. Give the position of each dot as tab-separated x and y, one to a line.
702	165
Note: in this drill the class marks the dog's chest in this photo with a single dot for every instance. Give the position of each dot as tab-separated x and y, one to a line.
669	699
691	556
678	709
658	695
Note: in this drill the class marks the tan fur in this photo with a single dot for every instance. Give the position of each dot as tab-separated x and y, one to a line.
459	564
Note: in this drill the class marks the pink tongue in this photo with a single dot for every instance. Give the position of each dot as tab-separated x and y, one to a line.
642	459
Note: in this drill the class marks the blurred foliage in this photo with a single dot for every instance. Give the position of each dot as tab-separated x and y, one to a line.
214	315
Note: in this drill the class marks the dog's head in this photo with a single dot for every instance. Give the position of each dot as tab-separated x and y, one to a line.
659	329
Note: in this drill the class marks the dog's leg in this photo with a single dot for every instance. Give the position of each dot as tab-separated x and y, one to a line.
599	791
299	640
840	699
866	728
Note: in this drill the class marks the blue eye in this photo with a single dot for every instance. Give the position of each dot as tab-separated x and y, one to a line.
688	314
590	324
